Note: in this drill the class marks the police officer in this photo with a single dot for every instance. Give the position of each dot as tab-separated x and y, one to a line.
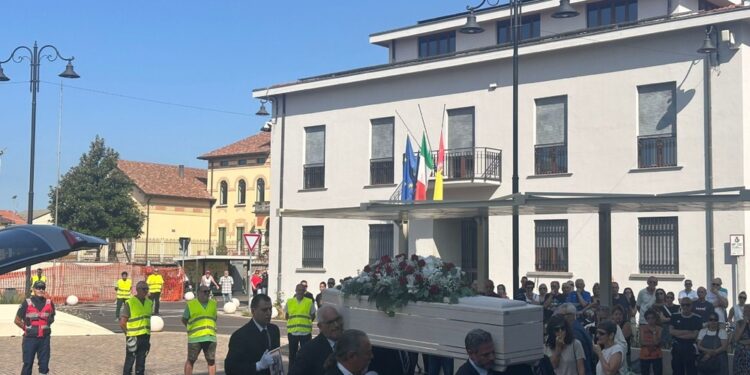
34	317
122	287
135	321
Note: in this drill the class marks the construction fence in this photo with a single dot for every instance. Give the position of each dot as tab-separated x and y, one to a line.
92	282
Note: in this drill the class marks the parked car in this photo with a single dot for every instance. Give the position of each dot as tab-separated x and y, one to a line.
25	245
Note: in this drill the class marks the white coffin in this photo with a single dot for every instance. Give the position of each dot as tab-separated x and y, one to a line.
440	328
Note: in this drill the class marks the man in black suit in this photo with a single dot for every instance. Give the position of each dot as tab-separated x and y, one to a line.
352	355
392	361
312	356
481	350
249	345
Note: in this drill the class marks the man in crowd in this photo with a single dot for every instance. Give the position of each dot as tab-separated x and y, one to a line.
646	299
352	355
568	310
718	297
135	321
580	298
553	299
701	307
263	283
331	282
312	356
123	287
155	283
489	288
300	311
619	299
199	318
208	280
688	292
307	293
35	315
249	346
684	328
38	277
481	351
529	295
319	297
226	283
255	282
518	293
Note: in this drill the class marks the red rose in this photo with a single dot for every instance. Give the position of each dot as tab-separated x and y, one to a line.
409	269
434	289
402	265
388	269
414	257
449	266
421	263
402	280
418	278
385	259
368	269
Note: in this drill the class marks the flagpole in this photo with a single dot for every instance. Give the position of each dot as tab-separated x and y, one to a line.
424	126
407	128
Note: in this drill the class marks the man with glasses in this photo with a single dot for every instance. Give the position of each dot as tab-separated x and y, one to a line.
249	346
35	315
718	297
688	292
135	321
579	297
199	318
646	299
312	356
553	299
684	328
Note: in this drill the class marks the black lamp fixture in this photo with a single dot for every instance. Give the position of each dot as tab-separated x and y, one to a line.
3	77
565	10
262	110
69	72
471	26
708	43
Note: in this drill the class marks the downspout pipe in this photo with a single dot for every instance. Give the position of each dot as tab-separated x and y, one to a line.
281	194
708	163
148	224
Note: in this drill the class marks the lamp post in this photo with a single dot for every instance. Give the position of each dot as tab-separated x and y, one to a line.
35	56
472	27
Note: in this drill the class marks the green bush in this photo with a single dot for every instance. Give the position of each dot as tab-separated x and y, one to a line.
11	299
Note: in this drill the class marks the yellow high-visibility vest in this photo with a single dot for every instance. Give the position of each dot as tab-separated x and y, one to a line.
299	315
123	288
202	321
139	322
154	281
35	278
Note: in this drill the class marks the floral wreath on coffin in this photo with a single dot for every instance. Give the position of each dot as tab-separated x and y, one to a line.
394	282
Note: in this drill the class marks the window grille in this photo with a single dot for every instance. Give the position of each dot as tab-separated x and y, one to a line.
312	247
551	243
658	247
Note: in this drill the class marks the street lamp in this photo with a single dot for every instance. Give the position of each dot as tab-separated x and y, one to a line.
472	27
35	57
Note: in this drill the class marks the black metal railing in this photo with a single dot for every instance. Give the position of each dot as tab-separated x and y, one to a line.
551	259
262	207
551	159
472	163
315	176
654	152
381	171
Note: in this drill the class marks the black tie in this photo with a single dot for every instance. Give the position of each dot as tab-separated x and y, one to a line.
268	338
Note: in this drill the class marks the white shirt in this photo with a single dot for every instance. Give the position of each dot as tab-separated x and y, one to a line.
608	353
693	295
714	299
479	370
705	332
738	314
343	369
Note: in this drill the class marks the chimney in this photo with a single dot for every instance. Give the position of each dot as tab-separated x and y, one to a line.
181	170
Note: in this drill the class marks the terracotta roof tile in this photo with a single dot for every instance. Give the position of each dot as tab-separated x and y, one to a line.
164	180
255	144
10	217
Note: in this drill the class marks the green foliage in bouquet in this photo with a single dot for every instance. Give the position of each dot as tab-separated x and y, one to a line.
394	282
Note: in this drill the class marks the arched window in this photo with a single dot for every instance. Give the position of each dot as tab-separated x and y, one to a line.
241	192
223	193
260	190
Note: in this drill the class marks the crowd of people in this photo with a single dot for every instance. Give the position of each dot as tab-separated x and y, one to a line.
585	336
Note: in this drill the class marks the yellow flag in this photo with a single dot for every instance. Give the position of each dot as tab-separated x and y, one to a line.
437	194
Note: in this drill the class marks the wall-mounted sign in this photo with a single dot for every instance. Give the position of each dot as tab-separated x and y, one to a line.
737	245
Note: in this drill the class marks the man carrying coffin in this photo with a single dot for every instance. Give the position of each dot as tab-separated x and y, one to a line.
312	356
481	350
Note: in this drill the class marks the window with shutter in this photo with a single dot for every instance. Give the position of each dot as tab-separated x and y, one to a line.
657	120
381	241
312	247
314	168
459	155
551	150
381	153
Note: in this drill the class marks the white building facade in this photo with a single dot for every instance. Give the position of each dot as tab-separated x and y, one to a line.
614	101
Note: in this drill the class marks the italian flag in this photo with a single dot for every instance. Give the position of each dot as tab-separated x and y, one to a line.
424	168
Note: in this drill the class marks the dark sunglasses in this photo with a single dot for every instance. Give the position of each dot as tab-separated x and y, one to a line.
713	320
41	288
338	320
743	297
686	304
141	288
716	284
205	292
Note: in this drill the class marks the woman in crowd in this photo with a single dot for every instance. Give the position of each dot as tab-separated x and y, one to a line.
542	293
671	306
651	354
660	306
611	356
712	344
501	291
631	299
735	313
618	316
564	351
741	339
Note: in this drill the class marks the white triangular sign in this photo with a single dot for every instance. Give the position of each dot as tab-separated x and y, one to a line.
251	240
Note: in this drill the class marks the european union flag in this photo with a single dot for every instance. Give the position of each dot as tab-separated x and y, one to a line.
409	173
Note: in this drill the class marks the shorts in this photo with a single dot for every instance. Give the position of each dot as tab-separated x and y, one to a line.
208	347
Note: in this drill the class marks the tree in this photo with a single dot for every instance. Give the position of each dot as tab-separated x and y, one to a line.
95	197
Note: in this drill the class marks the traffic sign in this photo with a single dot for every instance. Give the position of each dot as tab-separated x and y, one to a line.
251	240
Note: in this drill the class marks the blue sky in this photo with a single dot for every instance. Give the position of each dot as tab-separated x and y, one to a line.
207	54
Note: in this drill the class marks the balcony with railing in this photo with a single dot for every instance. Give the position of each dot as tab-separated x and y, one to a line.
262	208
472	164
550	159
381	171
655	152
314	176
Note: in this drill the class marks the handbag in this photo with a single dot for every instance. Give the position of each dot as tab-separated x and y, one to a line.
711	365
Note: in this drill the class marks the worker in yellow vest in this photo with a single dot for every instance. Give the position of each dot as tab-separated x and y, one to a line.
38	277
199	318
300	312
155	282
122	288
135	321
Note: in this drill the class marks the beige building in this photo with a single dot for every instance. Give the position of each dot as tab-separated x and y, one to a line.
614	101
176	204
239	182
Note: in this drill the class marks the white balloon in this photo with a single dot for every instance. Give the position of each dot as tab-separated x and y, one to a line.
236	302
189	296
230	308
274	312
157	323
71	300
